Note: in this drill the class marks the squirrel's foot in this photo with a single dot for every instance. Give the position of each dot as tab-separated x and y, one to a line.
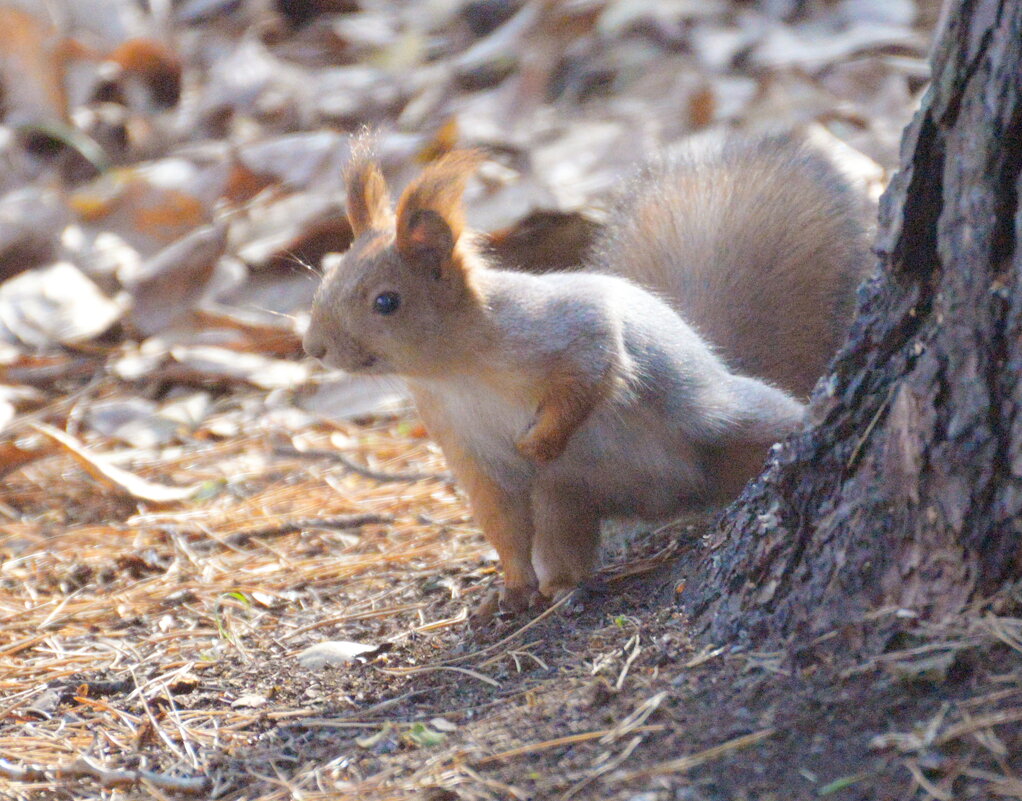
503	603
516	600
484	611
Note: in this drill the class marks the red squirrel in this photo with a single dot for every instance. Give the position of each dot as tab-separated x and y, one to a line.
650	383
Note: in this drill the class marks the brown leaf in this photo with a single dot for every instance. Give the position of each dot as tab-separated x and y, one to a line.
544	241
153	63
31	220
263	331
31	69
702	107
114	477
153	205
294	230
171	282
13	455
299	160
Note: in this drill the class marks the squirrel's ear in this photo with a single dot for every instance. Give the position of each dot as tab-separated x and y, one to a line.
368	202
430	219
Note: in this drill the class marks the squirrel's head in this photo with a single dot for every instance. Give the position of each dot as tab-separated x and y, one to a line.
393	302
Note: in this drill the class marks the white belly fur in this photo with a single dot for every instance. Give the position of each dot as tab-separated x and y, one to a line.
488	425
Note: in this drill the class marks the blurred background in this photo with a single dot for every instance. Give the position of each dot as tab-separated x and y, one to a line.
170	170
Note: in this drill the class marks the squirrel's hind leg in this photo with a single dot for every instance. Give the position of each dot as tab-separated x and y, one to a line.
506	520
566	539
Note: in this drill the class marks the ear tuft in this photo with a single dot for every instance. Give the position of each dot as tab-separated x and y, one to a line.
368	202
429	214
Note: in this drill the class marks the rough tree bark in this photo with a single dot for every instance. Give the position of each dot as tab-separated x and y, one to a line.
906	490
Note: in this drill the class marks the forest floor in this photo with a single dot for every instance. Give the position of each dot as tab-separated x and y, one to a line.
188	505
163	655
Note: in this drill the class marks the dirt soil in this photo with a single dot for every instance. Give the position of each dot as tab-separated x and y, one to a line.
188	504
156	647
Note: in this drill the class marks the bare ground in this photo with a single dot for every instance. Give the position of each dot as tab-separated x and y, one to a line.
158	657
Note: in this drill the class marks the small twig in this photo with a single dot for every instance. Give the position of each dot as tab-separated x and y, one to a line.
636	720
355	467
636	650
432	668
929	787
348	618
607	767
971	725
686	763
390	703
557	742
340	523
708	653
493	784
82	768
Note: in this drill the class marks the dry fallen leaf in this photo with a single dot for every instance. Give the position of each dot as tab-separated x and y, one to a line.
293	230
56	305
135	421
13	455
298	161
221	363
351	397
263	331
170	283
152	205
249	701
31	220
333	652
811	48
31	66
117	478
155	66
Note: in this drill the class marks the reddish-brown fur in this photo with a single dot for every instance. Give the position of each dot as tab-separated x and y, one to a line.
436	192
563	399
368	203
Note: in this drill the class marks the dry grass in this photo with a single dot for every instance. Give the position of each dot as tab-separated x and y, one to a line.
154	648
148	651
99	593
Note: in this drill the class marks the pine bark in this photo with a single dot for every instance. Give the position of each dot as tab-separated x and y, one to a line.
905	491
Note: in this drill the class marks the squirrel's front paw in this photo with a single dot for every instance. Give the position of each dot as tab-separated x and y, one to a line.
534	445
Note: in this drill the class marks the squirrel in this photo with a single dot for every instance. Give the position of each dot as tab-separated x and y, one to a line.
652	382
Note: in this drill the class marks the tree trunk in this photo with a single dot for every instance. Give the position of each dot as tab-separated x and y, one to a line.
905	492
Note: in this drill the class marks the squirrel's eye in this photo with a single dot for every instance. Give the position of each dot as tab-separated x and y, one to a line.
386	303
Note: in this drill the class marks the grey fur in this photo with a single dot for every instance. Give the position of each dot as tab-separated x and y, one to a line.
748	254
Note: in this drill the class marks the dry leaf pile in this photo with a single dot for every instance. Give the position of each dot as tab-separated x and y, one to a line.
188	504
